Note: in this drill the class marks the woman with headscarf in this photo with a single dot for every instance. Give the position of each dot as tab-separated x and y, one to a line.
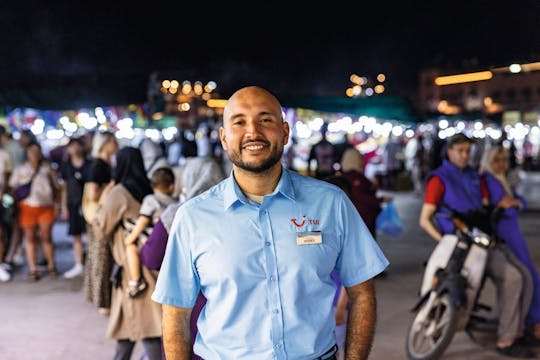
494	172
363	191
153	156
131	319
198	175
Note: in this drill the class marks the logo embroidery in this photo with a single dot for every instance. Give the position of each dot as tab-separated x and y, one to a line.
311	221
301	224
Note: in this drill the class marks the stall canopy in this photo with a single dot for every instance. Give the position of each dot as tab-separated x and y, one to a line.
384	107
71	92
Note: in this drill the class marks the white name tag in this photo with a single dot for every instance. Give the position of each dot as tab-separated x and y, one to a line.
309	238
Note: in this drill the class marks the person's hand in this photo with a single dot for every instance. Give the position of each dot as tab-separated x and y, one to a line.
104	311
508	201
64	214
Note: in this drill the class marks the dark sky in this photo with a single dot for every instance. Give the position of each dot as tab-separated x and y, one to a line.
311	50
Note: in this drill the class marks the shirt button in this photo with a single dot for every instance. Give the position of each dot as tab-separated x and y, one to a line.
275	311
272	278
278	346
267	243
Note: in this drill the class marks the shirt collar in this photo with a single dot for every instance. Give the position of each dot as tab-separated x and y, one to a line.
233	194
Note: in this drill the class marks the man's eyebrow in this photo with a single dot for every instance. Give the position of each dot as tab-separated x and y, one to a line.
262	113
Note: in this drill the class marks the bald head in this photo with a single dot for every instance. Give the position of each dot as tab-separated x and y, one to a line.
250	97
254	132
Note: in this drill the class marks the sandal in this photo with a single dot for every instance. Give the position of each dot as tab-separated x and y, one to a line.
33	276
53	272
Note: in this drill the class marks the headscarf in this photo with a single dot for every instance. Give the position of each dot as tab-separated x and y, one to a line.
352	160
130	172
198	175
486	165
151	151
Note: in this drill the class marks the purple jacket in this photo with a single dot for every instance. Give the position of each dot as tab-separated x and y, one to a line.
153	250
462	192
152	254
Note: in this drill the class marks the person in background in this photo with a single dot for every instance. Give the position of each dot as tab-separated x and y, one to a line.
494	168
38	211
416	162
98	255
391	153
455	185
16	148
199	175
74	170
138	318
261	246
323	154
6	168
363	191
153	156
152	206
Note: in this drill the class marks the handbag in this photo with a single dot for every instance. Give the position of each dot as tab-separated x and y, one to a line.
388	221
21	192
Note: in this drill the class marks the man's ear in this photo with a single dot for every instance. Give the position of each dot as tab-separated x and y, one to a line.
223	138
287	130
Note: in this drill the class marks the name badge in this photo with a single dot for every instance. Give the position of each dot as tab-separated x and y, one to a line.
309	238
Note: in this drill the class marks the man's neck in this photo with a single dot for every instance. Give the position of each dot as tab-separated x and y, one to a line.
258	183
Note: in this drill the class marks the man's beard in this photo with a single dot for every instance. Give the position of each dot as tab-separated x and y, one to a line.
275	156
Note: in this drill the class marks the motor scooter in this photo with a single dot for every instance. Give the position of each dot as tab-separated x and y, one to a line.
449	295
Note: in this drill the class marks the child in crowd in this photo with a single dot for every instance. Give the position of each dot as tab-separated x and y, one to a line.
152	206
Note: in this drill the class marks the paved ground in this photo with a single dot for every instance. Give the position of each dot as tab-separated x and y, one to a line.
50	319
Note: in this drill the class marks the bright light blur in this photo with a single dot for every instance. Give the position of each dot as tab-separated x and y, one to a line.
153	134
515	68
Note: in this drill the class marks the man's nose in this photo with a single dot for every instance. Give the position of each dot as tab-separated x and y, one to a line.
252	128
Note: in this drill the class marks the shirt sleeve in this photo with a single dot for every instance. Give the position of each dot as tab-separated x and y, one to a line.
360	258
434	191
149	206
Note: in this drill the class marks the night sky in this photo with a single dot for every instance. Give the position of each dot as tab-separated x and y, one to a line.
311	51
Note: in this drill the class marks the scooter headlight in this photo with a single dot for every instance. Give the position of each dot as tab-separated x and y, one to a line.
482	239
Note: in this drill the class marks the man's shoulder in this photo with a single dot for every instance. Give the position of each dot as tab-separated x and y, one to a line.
209	197
304	183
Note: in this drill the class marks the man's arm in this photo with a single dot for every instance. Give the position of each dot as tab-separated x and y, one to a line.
434	196
426	215
361	320
176	332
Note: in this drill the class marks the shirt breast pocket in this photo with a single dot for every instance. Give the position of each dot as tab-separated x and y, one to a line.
313	248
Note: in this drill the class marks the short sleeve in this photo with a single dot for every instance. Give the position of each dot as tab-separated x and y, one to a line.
434	191
149	206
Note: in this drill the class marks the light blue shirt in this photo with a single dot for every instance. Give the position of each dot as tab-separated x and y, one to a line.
267	297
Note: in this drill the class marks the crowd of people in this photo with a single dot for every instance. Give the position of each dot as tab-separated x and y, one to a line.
200	258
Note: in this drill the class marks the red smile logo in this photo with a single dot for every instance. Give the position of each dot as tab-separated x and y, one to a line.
301	224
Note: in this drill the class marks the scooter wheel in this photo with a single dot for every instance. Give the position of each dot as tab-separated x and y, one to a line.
432	329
